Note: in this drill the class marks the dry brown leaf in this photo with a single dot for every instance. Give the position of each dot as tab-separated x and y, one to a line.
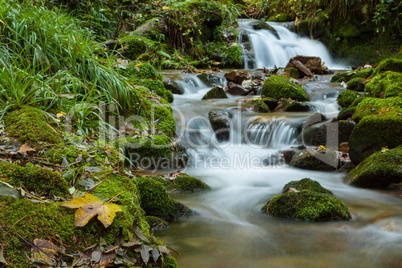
90	206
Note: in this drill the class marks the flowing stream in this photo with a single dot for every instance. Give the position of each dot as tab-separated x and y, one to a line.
228	229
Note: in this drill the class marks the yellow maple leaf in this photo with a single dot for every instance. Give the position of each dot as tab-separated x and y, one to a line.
89	206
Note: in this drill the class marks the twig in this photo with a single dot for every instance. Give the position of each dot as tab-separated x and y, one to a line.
13	226
96	185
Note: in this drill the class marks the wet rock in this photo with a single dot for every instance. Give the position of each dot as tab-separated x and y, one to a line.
262	25
380	170
280	87
270	102
259	106
220	123
183	183
373	133
216	92
356	84
288	155
210	79
8	190
174	87
325	160
313	64
287	105
331	134
237	77
307	200
236	90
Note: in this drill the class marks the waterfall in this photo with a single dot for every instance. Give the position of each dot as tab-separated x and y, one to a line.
262	48
271	134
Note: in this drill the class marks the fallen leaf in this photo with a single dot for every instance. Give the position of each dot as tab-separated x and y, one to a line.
89	206
145	254
44	252
2	260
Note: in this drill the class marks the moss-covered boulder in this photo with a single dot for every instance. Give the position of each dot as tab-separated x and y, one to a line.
29	125
325	160
40	180
216	92
156	202
372	106
156	86
356	84
183	183
259	106
270	102
143	70
307	200
306	184
379	170
391	64
349	75
221	123
346	113
346	98
155	152
374	132
210	79
280	87
382	83
262	25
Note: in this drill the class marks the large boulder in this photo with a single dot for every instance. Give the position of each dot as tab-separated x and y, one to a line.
307	200
312	63
216	92
379	170
280	87
372	106
356	84
220	123
384	83
331	134
374	132
347	76
325	160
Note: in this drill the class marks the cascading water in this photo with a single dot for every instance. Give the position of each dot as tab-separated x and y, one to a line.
268	49
228	228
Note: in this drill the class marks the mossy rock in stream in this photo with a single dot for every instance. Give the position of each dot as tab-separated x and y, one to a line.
280	87
384	82
308	202
50	219
325	160
156	202
221	124
42	181
372	106
346	98
262	25
380	170
29	125
259	105
183	183
373	133
349	75
216	92
392	64
356	84
156	86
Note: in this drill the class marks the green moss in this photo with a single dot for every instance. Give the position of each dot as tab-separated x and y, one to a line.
379	170
156	86
156	202
346	113
135	46
392	64
43	181
259	105
393	90
156	223
182	183
365	73
279	18
346	98
374	132
169	263
143	70
270	102
343	77
30	125
381	82
370	106
280	87
306	184
356	84
216	92
346	30
308	206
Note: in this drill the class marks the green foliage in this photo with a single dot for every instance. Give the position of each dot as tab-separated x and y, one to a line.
280	87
